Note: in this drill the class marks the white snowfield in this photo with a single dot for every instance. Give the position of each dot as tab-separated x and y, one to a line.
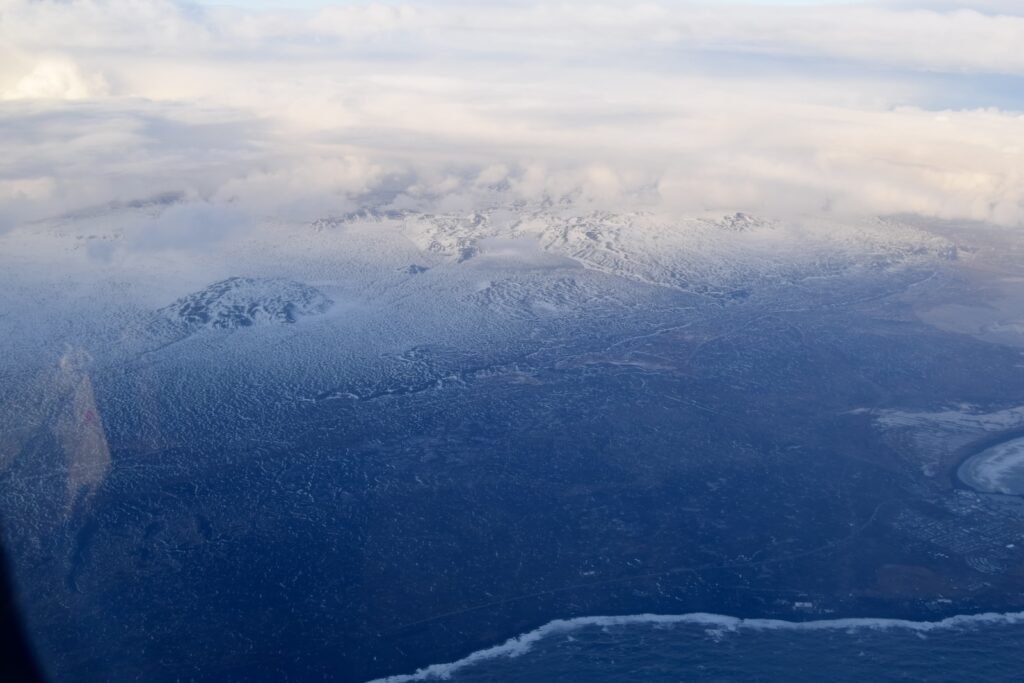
395	278
680	252
665	250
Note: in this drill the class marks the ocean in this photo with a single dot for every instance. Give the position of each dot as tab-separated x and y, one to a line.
710	647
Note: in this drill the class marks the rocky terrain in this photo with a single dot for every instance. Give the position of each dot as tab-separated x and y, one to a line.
245	302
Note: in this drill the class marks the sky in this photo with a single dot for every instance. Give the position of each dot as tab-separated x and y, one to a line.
306	108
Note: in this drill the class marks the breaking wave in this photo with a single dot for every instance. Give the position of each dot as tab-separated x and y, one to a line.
522	644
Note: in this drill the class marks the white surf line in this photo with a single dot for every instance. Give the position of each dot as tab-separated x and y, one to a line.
521	644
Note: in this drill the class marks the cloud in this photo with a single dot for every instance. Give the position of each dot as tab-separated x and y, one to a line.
195	224
867	108
56	79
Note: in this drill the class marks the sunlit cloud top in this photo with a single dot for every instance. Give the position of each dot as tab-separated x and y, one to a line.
776	107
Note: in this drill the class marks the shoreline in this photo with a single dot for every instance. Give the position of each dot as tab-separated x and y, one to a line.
522	644
965	453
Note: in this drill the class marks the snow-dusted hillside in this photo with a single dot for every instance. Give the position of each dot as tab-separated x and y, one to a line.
244	302
687	253
405	277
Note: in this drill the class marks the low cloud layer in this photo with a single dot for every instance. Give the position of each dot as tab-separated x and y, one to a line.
840	108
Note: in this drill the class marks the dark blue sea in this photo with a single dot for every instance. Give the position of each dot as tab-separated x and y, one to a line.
707	647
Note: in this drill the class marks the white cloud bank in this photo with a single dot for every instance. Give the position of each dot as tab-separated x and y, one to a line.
853	108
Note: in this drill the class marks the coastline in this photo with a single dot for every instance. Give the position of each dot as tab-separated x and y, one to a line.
965	453
523	643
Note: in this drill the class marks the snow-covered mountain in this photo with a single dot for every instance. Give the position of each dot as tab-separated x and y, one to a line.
409	276
688	253
244	302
